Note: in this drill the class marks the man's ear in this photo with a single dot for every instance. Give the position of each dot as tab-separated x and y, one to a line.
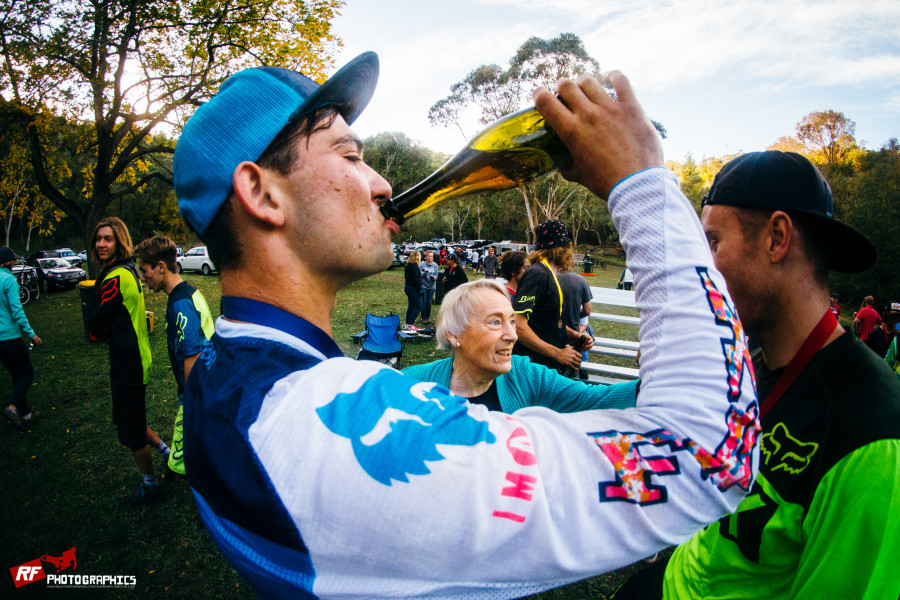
779	236
257	190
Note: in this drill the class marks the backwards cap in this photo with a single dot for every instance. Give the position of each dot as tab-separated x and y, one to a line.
787	181
242	119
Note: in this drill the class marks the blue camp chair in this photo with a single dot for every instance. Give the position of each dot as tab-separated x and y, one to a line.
381	340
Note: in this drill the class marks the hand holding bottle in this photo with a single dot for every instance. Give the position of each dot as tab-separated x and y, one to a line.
609	140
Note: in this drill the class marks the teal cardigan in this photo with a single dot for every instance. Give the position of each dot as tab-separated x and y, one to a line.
528	384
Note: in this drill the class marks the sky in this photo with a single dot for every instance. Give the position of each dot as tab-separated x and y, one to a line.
722	76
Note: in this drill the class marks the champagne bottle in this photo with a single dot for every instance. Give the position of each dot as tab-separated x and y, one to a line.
506	154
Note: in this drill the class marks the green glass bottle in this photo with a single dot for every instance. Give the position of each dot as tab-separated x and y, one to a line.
508	153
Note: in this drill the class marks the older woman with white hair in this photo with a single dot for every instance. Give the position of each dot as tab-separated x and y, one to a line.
477	324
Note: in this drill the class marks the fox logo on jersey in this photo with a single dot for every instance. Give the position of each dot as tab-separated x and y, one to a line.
109	290
785	452
395	427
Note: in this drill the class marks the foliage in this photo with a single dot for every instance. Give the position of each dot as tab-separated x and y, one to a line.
876	213
495	92
400	160
127	69
19	195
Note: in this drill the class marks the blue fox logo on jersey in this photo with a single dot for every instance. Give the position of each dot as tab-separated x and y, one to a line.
395	427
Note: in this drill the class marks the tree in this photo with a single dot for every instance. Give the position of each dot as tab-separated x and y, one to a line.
876	213
400	160
18	188
131	66
496	92
827	135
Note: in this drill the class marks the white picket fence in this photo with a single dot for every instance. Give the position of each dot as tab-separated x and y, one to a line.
601	372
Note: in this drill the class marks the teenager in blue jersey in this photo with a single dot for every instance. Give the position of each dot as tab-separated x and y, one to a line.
320	476
188	323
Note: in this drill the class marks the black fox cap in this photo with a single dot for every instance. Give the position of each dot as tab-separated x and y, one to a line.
788	181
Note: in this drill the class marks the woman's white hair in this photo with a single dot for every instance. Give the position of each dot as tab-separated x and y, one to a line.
458	306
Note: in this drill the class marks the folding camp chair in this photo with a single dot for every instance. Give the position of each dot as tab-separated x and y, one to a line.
381	340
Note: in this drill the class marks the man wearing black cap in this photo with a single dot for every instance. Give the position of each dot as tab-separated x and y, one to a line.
540	323
321	476
823	520
454	275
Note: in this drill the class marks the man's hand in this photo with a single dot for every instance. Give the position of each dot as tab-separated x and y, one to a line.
37	341
569	357
609	140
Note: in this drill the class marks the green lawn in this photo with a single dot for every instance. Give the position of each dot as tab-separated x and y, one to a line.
63	482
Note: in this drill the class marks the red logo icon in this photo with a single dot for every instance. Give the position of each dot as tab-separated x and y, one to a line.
66	561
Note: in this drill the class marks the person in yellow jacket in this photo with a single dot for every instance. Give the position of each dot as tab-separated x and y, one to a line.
120	320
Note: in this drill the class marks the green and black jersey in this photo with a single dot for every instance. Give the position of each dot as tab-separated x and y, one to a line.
121	319
823	520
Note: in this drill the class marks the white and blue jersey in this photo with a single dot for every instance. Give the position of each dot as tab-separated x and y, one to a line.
322	477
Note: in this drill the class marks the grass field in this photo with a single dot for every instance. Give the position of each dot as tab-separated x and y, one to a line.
63	481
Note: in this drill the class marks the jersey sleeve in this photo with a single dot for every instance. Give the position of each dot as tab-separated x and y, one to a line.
562	394
188	336
853	529
110	299
542	498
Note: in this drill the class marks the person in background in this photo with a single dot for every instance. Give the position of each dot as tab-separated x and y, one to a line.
429	270
454	274
513	265
835	307
539	305
490	264
892	357
189	324
626	279
577	298
476	262
412	287
830	455
13	352
866	319
461	258
477	324
121	320
879	339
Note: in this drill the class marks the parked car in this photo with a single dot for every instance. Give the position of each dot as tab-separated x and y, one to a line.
82	256
196	259
69	255
56	274
41	254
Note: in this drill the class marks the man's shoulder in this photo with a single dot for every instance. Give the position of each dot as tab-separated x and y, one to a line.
845	399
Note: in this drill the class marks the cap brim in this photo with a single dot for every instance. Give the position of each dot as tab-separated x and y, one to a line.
849	250
350	89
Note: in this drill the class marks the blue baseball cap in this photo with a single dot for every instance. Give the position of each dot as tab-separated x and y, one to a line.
246	114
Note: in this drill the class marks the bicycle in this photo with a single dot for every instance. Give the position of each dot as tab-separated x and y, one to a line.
28	285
